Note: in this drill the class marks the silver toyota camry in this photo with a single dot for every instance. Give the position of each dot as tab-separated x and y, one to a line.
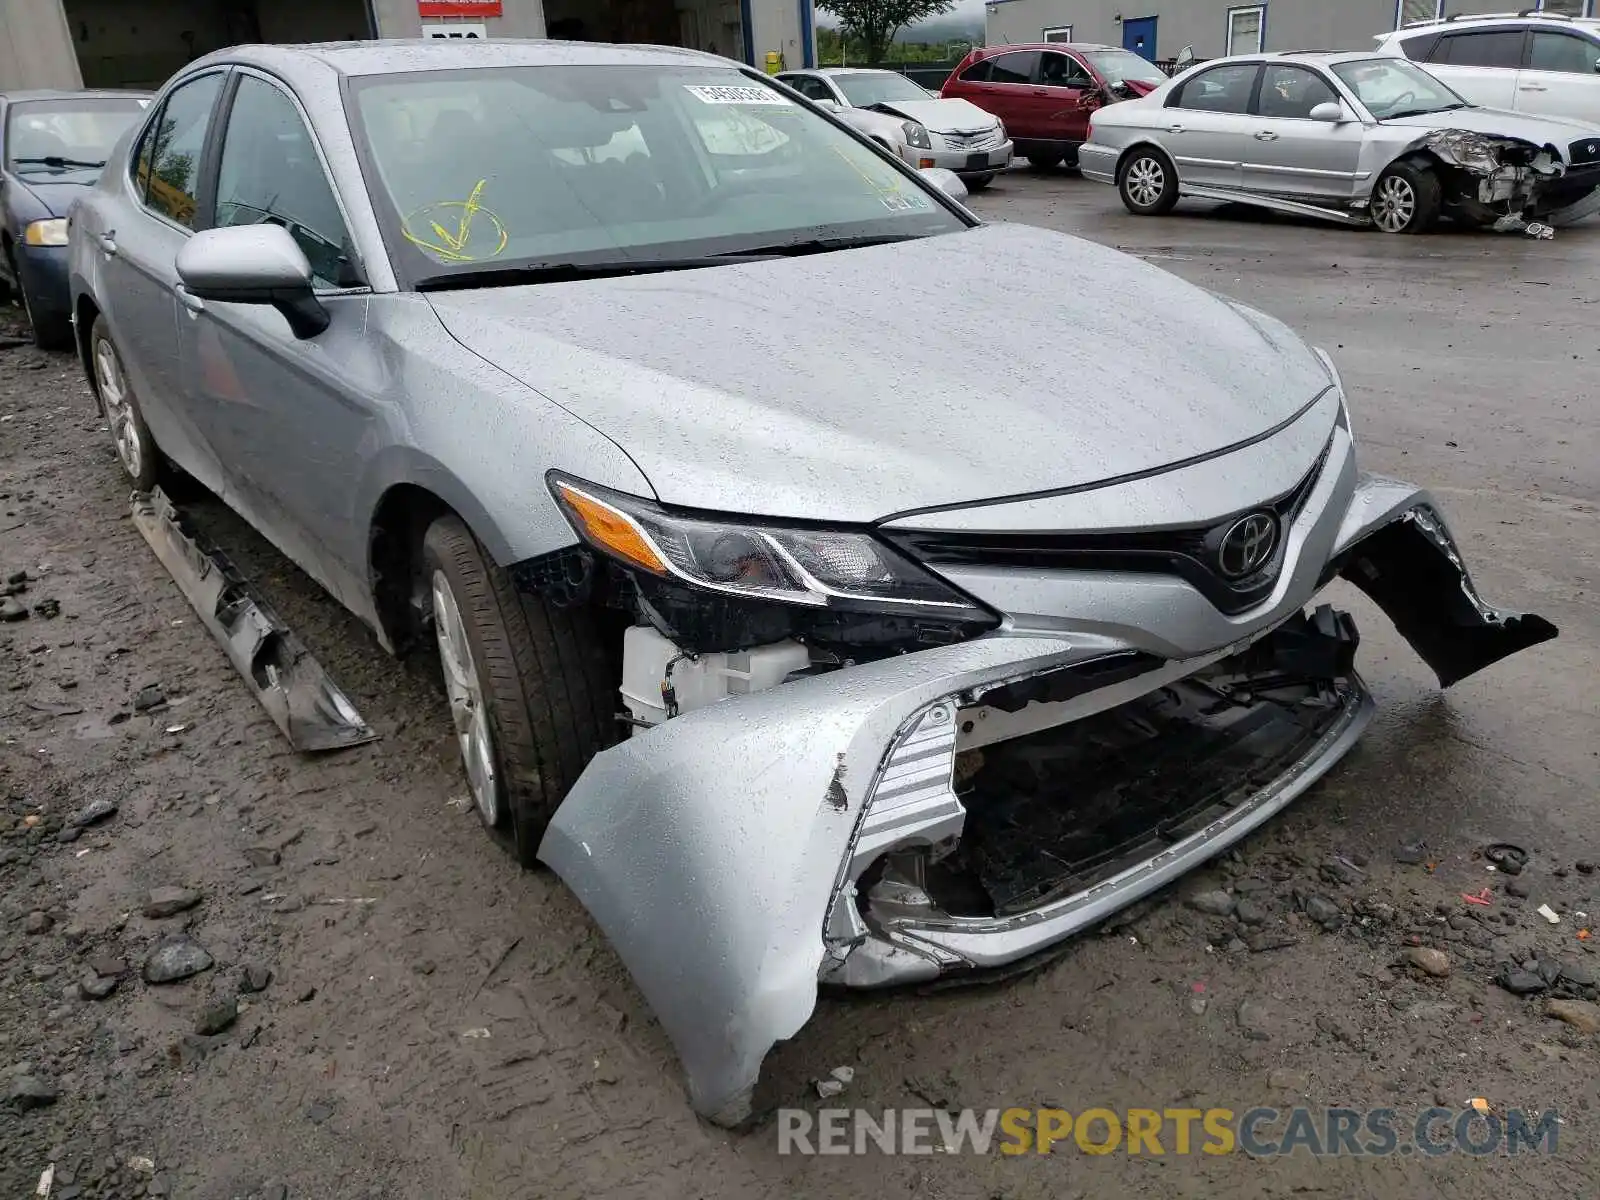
799	659
1348	137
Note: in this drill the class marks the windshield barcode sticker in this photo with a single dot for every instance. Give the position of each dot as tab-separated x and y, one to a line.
726	94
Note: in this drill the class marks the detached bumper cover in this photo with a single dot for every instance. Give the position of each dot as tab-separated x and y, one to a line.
712	849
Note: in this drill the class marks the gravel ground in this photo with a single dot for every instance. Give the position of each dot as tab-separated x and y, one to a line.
382	1005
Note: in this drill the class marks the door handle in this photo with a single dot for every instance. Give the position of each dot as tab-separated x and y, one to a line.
1174	128
1534	87
108	242
190	301
1040	92
1266	135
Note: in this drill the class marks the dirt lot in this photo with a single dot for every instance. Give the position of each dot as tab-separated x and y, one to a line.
416	1018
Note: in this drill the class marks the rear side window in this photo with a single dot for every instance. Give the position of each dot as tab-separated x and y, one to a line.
1221	89
1418	48
167	170
1563	52
1014	68
1490	48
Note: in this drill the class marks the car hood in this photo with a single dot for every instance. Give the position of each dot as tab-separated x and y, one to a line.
854	385
56	193
941	116
1497	122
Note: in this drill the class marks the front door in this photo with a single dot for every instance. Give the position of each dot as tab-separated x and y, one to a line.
1561	77
289	416
138	253
1066	95
1139	36
1290	154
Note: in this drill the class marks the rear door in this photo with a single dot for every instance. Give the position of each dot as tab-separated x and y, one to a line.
1561	76
1209	122
1290	154
1481	64
1066	95
1003	85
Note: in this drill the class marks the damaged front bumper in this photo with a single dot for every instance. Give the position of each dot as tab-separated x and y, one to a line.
830	828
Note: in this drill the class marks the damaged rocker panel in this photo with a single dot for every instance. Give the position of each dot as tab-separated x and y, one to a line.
304	703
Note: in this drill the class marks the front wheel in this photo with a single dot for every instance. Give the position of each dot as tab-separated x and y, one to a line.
1148	183
1406	199
531	689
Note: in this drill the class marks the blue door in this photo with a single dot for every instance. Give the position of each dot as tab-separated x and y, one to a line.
1139	35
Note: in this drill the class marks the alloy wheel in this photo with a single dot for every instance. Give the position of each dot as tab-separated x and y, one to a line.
1146	180
467	707
1395	205
113	386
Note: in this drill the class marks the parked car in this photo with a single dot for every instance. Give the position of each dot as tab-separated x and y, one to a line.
910	121
52	146
622	381
1538	63
1349	137
1045	93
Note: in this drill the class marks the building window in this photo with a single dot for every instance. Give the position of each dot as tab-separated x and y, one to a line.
1567	8
1058	33
1245	29
1408	12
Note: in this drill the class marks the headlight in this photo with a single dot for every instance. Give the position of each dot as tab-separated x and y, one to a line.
1000	128
819	568
52	232
917	135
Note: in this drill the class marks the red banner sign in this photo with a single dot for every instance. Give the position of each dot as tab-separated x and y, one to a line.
460	8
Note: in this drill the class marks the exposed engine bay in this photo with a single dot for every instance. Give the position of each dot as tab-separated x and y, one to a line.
1507	184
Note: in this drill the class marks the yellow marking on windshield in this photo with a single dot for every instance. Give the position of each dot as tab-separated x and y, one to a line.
451	224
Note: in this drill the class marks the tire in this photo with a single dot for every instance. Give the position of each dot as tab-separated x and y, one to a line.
1406	199
1148	183
1044	161
531	688
136	450
976	183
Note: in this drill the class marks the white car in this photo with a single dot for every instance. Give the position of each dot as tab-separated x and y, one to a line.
911	122
1538	63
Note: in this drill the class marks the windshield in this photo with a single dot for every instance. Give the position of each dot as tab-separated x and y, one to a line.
878	87
1116	66
487	171
1392	87
53	137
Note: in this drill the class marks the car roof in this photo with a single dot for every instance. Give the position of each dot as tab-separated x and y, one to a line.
70	94
1480	20
394	56
1326	58
992	50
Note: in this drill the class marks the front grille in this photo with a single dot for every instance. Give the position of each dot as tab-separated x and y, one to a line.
1585	153
1190	554
987	140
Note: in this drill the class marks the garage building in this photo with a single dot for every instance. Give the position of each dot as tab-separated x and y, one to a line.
1160	29
140	43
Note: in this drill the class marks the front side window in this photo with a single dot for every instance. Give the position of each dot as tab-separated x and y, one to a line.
813	88
550	166
66	137
1563	52
168	167
1061	70
1393	87
1292	92
878	87
1221	89
1490	48
1246	27
270	174
1018	67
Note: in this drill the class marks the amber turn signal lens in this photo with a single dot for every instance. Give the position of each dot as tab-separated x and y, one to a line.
611	530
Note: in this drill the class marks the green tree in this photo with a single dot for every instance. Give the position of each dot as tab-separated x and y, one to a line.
875	23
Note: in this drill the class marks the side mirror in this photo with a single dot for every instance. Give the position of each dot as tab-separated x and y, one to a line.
253	264
1329	111
946	181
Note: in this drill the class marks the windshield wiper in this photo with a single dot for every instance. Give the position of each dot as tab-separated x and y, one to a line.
1423	112
559	272
825	245
55	160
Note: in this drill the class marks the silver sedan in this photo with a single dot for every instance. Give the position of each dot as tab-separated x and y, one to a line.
1349	137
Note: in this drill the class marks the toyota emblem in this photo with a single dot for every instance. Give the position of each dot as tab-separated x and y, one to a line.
1247	546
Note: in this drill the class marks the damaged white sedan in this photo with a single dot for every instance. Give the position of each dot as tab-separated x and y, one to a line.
799	662
1348	137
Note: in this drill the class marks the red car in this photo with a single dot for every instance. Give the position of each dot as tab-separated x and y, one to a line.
1045	93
